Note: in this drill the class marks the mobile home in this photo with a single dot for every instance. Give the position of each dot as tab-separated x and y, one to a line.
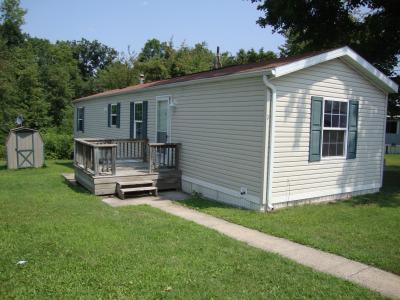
259	136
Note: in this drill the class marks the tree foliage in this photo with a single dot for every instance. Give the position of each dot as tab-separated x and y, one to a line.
11	18
39	79
370	27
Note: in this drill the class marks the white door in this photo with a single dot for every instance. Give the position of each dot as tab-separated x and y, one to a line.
162	121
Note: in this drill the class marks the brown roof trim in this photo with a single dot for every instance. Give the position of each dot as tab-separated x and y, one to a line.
225	71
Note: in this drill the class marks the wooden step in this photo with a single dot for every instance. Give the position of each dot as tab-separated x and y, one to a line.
139	189
134	191
135	183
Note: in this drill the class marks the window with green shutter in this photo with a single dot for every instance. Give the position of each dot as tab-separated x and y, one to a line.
333	129
80	119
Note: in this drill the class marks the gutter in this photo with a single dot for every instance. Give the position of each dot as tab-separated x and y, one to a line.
268	148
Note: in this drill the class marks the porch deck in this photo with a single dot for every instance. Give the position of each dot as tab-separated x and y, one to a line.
101	164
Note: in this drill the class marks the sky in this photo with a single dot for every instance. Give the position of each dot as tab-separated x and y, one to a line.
230	24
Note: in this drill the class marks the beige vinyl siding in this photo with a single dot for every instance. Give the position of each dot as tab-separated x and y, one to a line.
221	128
294	178
96	116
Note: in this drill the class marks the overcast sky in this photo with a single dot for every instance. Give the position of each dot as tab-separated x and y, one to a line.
230	24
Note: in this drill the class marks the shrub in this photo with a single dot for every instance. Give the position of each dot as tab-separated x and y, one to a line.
58	145
2	151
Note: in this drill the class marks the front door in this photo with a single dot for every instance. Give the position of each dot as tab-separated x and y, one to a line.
24	148
162	121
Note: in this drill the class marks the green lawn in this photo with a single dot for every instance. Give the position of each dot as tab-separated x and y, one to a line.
365	228
78	247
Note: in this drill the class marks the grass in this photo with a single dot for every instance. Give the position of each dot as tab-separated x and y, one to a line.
78	247
365	228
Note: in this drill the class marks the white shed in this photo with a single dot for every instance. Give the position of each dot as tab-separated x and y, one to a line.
24	148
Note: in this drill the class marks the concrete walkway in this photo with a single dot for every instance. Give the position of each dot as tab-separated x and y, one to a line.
386	283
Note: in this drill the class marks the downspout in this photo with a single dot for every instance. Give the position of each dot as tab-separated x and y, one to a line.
268	148
384	142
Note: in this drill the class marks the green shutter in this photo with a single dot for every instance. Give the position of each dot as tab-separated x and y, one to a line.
83	119
145	110
131	119
109	115
352	130
315	129
77	119
118	115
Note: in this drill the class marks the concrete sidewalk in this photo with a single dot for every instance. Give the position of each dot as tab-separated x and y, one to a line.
386	283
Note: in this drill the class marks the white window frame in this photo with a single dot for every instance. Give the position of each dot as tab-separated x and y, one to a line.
334	128
134	117
112	114
169	122
79	117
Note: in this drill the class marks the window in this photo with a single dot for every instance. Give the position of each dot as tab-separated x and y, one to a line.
391	126
138	120
80	118
114	114
334	128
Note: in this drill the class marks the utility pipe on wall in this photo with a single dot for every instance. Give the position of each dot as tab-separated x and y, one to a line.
269	149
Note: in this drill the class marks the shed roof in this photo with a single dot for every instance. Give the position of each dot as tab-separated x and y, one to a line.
22	129
276	67
16	129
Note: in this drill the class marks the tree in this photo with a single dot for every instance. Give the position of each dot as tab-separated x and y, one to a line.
370	27
117	75
8	95
394	101
245	57
189	60
11	20
153	49
29	92
59	75
92	56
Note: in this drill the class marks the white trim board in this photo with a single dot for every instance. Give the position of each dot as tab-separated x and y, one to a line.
250	198
347	55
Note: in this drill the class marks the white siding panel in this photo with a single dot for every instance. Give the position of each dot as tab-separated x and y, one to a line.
294	177
220	126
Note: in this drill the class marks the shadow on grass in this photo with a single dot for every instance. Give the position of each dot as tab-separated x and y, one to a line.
67	164
3	167
389	196
202	203
77	188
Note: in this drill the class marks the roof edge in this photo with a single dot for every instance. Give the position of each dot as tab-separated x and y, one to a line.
351	57
244	74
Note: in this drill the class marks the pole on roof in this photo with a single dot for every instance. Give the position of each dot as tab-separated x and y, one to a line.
217	62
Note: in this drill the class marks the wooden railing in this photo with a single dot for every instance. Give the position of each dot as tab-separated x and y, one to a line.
163	156
95	156
99	156
131	149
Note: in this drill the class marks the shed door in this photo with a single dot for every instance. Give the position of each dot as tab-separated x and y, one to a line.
24	149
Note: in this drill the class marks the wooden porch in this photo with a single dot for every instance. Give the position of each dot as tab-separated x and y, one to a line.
126	166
